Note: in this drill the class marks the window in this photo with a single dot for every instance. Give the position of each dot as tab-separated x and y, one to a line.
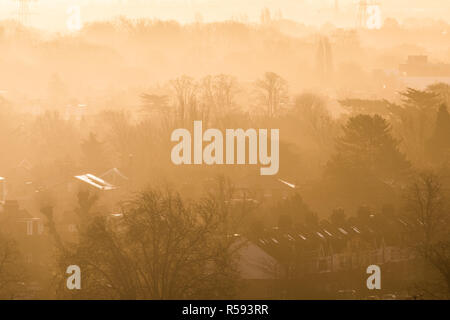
40	228
29	228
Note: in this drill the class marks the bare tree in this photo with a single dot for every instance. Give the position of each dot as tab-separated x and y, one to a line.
312	113
161	248
186	95
273	90
430	235
179	251
12	269
218	93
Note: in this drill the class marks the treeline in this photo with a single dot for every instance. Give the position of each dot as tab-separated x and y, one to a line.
362	156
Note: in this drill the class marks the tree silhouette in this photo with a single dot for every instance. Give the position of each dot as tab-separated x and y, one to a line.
367	147
185	89
273	92
160	248
367	166
439	143
429	234
93	153
12	268
413	121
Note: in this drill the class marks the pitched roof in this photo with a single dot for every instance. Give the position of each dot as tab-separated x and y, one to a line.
114	175
256	263
96	182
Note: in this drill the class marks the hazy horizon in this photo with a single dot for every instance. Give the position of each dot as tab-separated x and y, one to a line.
52	15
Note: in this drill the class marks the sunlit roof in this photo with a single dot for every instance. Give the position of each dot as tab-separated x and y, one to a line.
291	185
356	229
117	215
290	237
96	182
114	172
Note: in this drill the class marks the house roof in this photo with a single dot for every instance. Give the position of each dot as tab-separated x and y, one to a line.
96	182
25	164
114	175
256	263
290	185
372	232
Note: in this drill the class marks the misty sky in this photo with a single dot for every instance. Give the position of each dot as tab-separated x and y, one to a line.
52	14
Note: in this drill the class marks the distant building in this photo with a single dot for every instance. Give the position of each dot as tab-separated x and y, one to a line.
28	231
115	176
419	66
258	270
328	258
419	73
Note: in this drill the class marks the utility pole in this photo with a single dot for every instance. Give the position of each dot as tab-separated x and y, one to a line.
361	18
23	10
